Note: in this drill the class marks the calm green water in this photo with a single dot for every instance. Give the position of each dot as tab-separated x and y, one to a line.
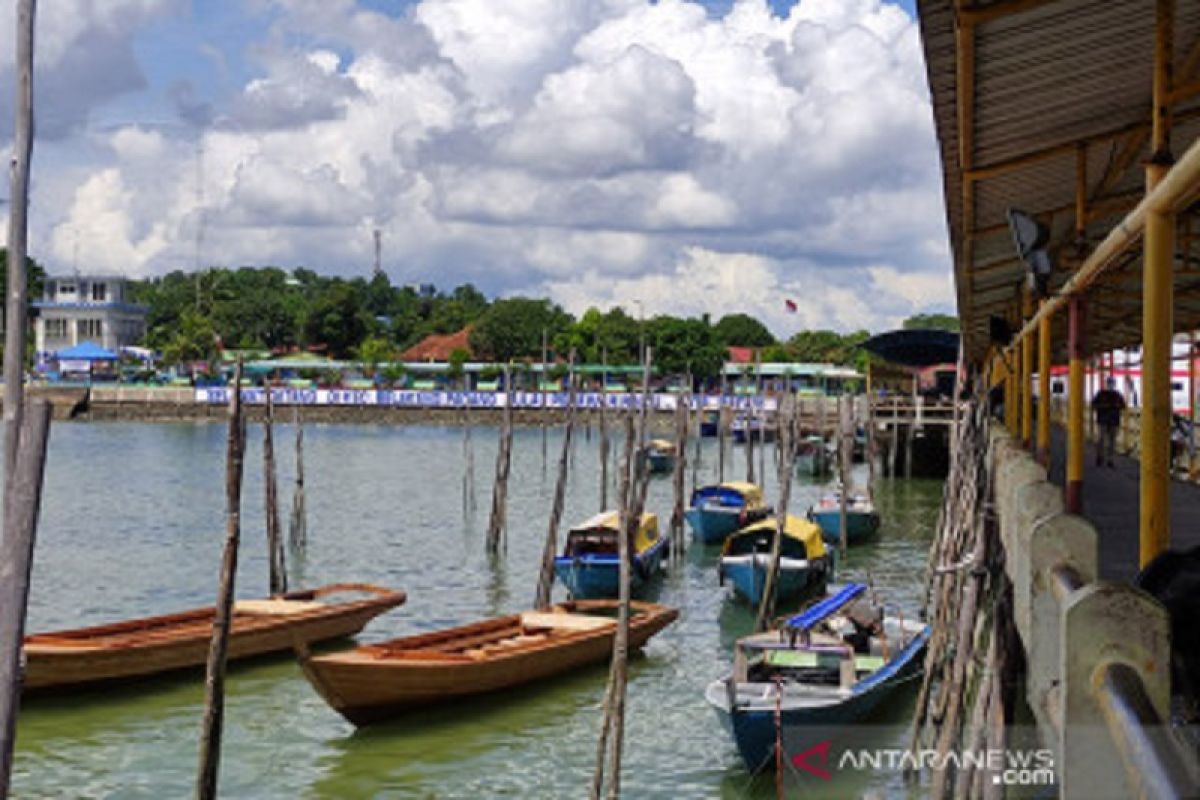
132	525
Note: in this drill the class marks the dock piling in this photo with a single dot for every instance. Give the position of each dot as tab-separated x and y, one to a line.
214	682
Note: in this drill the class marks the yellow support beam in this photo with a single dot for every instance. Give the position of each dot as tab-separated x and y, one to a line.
1043	416
1026	388
1154	534
1075	405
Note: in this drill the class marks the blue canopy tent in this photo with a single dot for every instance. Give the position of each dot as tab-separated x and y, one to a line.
85	351
84	358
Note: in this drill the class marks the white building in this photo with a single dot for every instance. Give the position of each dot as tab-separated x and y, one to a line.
82	308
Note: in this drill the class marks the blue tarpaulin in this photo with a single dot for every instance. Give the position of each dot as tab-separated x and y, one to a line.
85	351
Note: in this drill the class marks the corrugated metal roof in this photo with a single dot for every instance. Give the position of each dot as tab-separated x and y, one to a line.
1049	78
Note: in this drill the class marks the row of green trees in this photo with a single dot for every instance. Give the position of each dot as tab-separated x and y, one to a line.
192	314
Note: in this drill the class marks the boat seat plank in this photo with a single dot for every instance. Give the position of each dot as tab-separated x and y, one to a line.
275	605
574	622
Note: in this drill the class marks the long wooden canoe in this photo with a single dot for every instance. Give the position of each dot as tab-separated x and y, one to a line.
376	681
153	645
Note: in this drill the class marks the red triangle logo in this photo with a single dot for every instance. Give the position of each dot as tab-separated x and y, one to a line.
818	753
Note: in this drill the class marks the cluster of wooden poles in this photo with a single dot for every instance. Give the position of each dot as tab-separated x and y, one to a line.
966	690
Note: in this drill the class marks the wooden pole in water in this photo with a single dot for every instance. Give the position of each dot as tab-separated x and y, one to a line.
16	315
872	432
298	524
620	640
788	436
722	430
214	684
276	560
696	410
544	410
24	443
22	503
546	577
604	430
497	522
679	475
761	413
844	456
468	479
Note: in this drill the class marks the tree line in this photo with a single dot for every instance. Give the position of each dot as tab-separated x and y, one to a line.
193	314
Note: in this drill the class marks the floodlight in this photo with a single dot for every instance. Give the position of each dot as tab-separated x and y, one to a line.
1030	238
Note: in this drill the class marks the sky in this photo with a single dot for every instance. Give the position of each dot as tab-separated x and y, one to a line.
677	156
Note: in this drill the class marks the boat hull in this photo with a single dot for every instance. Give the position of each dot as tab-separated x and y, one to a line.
366	686
713	525
748	574
860	526
591	577
814	463
753	726
660	463
143	648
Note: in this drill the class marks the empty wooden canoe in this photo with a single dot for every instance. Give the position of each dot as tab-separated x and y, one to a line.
153	645
376	681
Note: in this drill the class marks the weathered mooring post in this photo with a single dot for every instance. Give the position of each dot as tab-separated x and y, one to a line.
25	441
277	564
298	523
604	431
788	436
497	523
546	576
214	684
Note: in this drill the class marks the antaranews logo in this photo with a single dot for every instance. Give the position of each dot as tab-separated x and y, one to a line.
1008	767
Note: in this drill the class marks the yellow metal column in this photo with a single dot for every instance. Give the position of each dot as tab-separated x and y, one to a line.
1043	415
1075	406
1027	345
1157	302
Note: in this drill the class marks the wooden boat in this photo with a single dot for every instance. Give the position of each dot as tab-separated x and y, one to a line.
660	456
803	562
722	508
589	566
376	681
862	520
814	457
141	648
828	668
710	424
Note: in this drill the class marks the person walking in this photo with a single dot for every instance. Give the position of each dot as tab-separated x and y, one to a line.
1107	405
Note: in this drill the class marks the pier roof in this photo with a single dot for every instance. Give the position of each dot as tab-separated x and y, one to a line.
1046	106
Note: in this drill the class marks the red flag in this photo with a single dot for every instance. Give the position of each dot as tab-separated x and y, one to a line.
791	306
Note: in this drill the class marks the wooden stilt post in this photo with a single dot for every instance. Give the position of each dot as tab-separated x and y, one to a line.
761	413
844	457
468	454
298	524
910	430
16	314
276	561
24	442
696	410
22	504
632	498
546	578
604	432
1075	405
748	421
1157	309
543	395
679	476
788	438
722	430
872	432
497	522
214	695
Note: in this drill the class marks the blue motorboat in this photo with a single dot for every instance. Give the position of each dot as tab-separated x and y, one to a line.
719	510
803	559
862	519
826	669
590	567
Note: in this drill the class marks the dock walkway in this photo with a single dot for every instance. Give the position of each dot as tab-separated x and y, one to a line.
1110	502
